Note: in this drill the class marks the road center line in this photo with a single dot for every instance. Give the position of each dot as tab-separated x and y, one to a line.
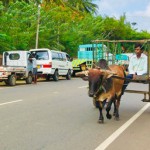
11	102
112	137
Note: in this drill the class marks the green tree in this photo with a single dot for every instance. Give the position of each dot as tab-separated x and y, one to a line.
64	25
18	24
83	6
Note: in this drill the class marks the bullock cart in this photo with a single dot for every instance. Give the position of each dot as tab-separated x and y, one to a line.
139	79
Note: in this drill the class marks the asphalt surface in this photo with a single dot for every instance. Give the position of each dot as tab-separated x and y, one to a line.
60	116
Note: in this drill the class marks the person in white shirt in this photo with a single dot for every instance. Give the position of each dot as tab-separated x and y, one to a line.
32	58
137	65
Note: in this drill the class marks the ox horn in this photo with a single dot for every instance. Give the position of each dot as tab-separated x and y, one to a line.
82	73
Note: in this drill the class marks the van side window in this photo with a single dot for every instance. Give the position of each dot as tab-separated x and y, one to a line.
60	57
55	56
64	57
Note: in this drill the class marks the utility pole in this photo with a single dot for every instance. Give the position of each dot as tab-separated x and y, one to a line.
38	25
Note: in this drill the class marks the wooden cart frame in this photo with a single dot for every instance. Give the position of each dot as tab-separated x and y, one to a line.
140	79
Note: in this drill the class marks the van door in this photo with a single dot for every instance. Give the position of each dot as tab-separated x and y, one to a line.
60	62
29	63
66	65
63	63
69	63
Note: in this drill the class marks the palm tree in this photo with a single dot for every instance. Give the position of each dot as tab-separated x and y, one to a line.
84	6
76	5
57	2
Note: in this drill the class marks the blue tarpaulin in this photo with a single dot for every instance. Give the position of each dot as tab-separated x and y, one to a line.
122	57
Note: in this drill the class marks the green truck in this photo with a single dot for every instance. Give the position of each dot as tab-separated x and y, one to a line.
87	54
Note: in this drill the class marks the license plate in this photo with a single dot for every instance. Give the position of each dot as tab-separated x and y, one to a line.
38	66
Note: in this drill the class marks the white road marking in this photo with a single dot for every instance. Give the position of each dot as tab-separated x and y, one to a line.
11	102
83	87
55	92
112	137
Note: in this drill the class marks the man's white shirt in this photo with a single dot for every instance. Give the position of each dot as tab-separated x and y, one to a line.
34	64
138	65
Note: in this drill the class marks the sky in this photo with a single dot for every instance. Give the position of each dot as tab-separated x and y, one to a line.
135	10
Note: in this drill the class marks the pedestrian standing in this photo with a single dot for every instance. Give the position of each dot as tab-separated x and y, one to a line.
32	58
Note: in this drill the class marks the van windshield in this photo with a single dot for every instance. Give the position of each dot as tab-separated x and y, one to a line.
41	55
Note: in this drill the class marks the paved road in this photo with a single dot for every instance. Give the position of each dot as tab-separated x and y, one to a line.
60	116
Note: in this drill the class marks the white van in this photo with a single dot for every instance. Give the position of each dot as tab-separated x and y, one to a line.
51	63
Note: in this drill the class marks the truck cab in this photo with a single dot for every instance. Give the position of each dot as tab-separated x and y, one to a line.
16	65
88	54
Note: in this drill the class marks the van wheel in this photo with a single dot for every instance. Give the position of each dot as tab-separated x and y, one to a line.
56	76
12	80
29	79
68	76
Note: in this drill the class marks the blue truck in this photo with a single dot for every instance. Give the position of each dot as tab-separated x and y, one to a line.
89	53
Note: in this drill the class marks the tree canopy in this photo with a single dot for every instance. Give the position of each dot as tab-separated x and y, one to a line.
64	25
